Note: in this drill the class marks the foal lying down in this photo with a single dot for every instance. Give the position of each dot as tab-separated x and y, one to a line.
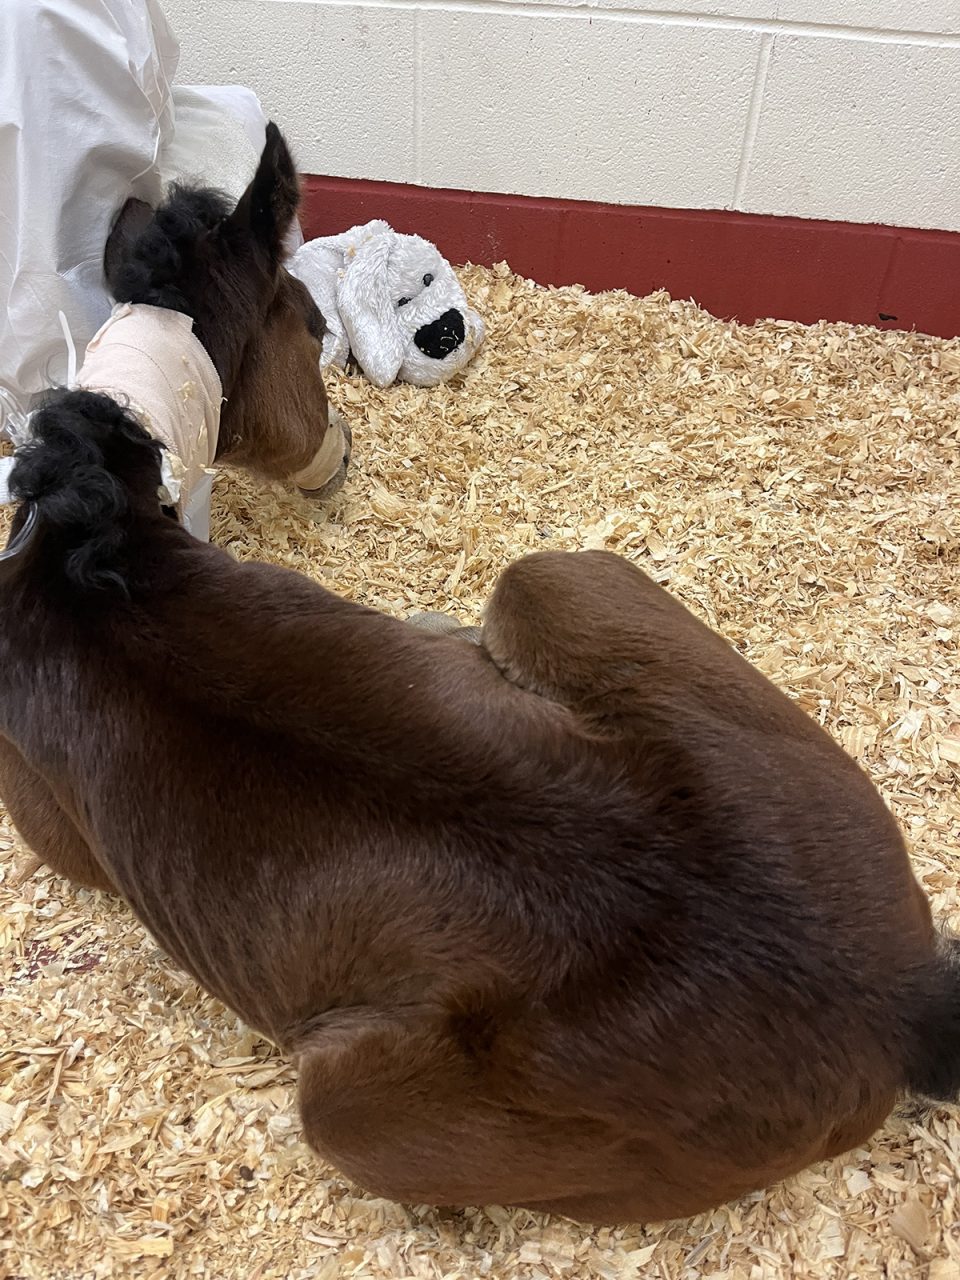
590	918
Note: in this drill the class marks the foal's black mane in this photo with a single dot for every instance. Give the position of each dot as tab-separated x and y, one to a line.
85	470
164	254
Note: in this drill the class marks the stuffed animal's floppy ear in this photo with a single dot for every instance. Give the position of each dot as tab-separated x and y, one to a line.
318	266
369	311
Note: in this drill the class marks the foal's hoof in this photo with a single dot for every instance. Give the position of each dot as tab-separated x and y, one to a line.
441	624
338	479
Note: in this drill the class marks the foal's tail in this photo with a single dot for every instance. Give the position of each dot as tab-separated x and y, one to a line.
86	469
933	1048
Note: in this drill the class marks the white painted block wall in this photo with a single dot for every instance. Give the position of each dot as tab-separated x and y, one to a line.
837	109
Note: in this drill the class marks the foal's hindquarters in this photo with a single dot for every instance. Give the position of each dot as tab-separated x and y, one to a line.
589	918
751	976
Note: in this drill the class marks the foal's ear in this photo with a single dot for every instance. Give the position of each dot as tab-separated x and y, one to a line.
129	223
268	206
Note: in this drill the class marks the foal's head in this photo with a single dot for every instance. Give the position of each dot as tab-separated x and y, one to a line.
223	265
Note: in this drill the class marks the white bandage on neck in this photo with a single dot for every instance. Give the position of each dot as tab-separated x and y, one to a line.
150	360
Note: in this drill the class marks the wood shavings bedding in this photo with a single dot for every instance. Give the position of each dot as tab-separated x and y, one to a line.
799	488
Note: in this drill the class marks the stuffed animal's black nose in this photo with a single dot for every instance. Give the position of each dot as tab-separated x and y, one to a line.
442	336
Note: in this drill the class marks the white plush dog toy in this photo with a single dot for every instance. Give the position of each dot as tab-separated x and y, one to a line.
390	300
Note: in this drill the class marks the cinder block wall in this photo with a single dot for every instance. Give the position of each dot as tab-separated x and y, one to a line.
833	109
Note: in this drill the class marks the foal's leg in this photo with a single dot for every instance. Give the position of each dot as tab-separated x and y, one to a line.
400	1108
594	632
43	824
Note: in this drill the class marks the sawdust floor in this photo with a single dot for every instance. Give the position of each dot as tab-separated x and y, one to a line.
799	488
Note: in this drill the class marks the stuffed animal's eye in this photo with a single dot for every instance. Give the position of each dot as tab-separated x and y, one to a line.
428	278
402	302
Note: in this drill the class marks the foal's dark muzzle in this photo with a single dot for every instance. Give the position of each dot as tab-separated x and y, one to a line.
441	336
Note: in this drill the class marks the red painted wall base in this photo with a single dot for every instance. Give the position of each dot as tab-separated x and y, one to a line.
734	264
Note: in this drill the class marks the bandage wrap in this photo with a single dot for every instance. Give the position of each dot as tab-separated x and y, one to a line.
151	362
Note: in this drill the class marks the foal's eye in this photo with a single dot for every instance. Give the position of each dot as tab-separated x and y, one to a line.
403	302
428	278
